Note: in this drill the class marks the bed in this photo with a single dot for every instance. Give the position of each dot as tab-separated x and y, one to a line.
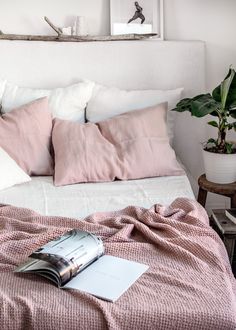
156	220
79	201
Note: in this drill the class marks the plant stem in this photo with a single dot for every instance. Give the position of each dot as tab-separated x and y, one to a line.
222	132
221	139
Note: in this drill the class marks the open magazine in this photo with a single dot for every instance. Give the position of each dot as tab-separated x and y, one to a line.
76	260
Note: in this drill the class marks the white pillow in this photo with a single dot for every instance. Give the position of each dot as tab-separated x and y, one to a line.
10	172
2	87
107	102
67	103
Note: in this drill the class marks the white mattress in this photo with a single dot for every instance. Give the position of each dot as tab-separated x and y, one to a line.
80	200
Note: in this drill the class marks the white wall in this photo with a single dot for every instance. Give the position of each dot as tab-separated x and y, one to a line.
26	16
210	20
214	22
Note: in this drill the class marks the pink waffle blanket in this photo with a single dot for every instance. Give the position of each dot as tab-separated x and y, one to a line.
189	284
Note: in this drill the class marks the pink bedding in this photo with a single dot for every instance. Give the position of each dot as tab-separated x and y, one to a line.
132	145
189	284
25	134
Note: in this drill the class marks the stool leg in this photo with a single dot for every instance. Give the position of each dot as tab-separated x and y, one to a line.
202	196
233	202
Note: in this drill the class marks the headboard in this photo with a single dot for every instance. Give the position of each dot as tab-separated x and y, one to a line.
149	64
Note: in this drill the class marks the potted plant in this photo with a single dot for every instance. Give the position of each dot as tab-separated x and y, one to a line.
219	154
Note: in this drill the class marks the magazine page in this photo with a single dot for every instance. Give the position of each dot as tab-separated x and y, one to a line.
40	267
108	277
67	255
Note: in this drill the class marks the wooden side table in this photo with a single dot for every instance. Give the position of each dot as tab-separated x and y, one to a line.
226	229
205	186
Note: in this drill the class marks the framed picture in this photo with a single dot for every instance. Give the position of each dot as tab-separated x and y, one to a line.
139	17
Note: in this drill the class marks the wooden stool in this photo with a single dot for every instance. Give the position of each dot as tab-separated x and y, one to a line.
228	190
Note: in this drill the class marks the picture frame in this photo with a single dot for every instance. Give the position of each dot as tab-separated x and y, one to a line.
137	17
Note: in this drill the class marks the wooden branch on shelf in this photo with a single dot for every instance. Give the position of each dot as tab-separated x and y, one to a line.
66	38
58	30
72	38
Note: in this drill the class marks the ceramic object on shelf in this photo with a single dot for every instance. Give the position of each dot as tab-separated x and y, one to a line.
80	26
67	31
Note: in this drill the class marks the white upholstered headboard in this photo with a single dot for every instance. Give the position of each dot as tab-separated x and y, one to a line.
126	64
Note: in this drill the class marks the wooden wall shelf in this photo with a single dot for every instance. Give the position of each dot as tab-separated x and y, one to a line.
65	38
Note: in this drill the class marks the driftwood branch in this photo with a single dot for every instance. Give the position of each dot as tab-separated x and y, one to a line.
66	38
58	30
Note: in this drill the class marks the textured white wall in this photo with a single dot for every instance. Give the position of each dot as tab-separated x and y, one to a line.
212	21
26	16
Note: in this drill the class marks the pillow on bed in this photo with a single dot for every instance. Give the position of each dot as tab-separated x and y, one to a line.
10	173
132	145
2	87
107	102
25	134
65	103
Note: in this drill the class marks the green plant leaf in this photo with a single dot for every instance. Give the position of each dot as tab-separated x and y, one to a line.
213	123
225	87
183	105
231	95
234	126
214	113
204	105
216	94
229	147
198	97
212	141
233	114
232	106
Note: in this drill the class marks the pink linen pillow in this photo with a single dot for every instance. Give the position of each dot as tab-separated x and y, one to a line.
25	134
132	145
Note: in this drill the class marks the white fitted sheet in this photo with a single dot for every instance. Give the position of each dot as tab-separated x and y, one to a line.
80	200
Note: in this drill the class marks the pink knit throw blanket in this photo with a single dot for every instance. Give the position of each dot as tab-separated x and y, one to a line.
189	284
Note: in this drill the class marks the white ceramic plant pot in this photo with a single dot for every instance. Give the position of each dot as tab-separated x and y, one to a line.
220	168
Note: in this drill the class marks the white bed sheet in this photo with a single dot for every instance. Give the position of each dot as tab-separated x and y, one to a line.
80	200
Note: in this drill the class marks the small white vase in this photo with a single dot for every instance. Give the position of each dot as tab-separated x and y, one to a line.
67	30
220	168
80	26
